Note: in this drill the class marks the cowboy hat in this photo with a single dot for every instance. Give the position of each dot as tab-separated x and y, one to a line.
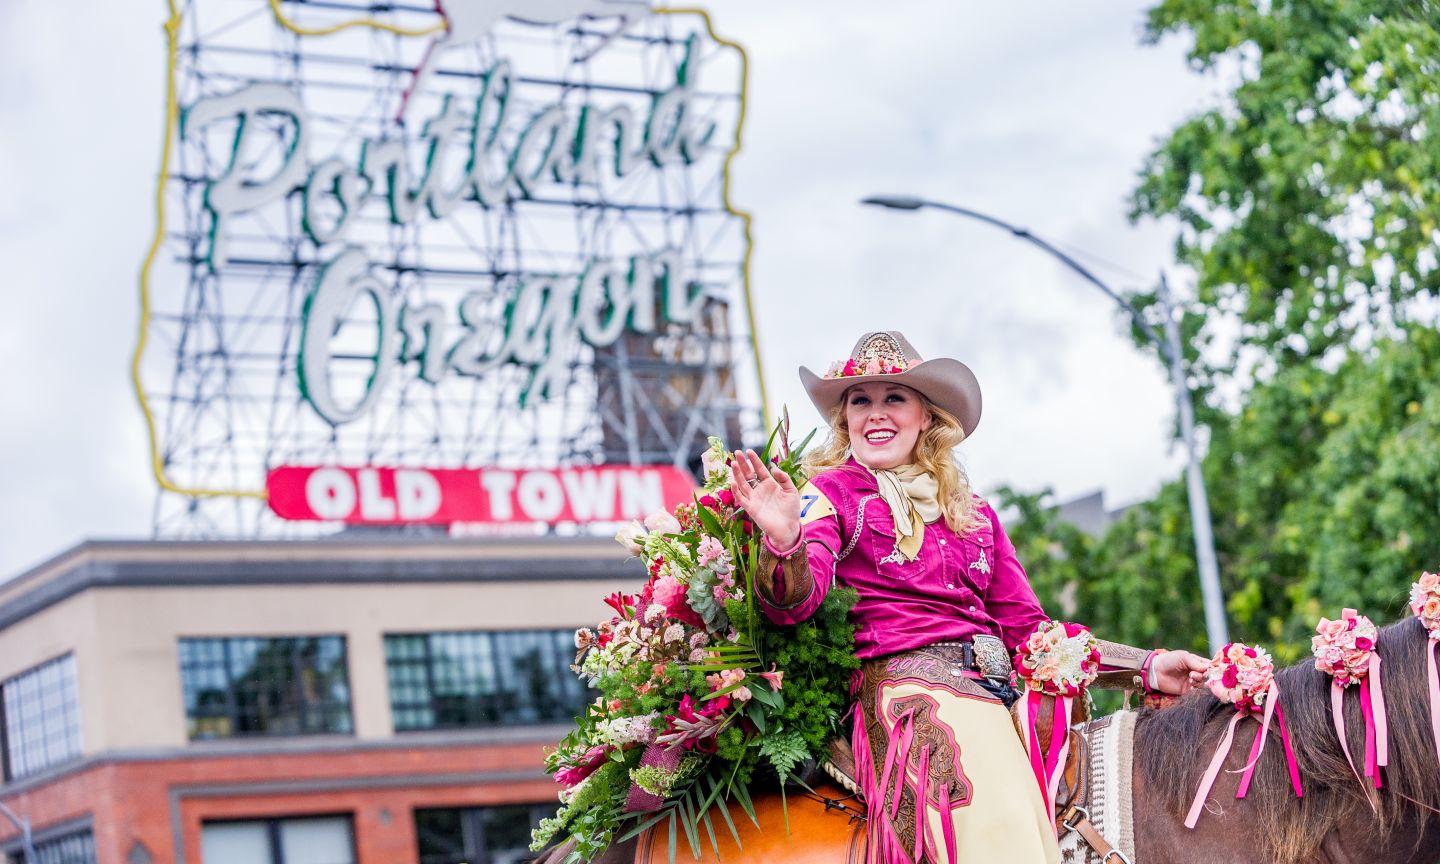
886	356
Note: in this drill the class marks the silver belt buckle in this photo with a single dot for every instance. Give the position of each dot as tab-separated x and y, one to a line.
991	658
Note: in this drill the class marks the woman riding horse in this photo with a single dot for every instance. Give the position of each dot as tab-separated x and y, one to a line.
943	604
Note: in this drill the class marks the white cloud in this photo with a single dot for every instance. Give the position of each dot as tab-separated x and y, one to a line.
1040	115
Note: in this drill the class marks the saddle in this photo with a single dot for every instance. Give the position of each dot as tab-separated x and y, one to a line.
1077	799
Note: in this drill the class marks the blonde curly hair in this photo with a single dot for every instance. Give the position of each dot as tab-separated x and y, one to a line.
934	453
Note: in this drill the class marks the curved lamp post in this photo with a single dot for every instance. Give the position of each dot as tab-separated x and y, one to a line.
27	840
1216	629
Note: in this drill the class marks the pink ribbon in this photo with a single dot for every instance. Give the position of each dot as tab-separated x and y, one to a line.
1434	695
1272	710
1212	771
1272	698
1372	706
1290	762
1047	764
1059	748
1037	758
1257	747
1337	713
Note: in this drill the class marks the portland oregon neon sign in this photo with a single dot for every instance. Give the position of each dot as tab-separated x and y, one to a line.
401	242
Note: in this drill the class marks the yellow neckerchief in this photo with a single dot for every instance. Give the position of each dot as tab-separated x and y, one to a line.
910	493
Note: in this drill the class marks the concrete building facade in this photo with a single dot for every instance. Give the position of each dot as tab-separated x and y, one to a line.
347	701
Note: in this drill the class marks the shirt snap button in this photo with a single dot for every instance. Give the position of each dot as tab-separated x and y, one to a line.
972	608
942	541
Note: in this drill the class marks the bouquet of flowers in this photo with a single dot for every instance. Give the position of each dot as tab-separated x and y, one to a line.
699	693
1241	675
1425	603
1343	647
1058	659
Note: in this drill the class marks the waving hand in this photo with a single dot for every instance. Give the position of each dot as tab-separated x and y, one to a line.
768	495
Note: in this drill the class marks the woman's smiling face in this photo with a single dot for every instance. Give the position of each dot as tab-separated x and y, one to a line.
885	421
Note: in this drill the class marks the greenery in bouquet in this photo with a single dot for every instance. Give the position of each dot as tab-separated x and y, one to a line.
699	693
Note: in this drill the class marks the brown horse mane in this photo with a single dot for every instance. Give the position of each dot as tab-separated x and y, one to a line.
1173	746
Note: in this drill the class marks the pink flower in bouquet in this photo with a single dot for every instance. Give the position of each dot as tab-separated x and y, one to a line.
654	613
584	638
741	694
721	680
1431	609
663	522
674	633
1331	631
773	677
587	764
710	550
670	593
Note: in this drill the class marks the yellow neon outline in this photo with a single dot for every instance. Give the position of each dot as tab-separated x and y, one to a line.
345	25
743	215
172	113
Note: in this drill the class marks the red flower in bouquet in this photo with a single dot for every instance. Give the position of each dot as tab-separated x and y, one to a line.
582	767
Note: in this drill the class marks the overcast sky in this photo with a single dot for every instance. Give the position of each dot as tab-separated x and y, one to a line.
1038	113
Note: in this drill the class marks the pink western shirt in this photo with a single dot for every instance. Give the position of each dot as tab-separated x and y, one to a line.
957	586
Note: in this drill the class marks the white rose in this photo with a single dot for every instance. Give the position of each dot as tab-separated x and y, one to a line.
662	522
629	537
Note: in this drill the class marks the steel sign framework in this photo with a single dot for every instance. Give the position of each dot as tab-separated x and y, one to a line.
403	236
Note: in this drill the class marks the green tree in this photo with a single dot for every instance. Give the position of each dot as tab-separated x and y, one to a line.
1308	201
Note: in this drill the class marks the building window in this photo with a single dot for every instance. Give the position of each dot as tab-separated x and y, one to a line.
77	847
306	840
452	680
477	835
41	715
268	686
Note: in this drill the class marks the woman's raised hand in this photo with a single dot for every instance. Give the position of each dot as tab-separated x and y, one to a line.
768	495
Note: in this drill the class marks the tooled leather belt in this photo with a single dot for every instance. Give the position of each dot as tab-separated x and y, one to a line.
952	664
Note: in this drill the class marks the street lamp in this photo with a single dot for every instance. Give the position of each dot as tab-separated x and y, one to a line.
27	840
1215	626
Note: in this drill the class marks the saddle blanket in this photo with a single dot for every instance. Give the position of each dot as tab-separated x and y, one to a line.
1110	802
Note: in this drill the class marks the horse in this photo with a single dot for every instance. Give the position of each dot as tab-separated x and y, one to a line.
1338	820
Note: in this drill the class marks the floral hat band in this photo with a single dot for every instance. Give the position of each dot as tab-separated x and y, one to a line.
887	356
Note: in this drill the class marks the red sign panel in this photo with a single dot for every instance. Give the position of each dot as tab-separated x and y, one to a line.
397	496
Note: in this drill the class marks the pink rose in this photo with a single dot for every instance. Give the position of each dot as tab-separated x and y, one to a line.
670	593
1333	630
1431	608
1429	582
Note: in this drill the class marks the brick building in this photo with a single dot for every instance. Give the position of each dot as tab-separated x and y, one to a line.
345	701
